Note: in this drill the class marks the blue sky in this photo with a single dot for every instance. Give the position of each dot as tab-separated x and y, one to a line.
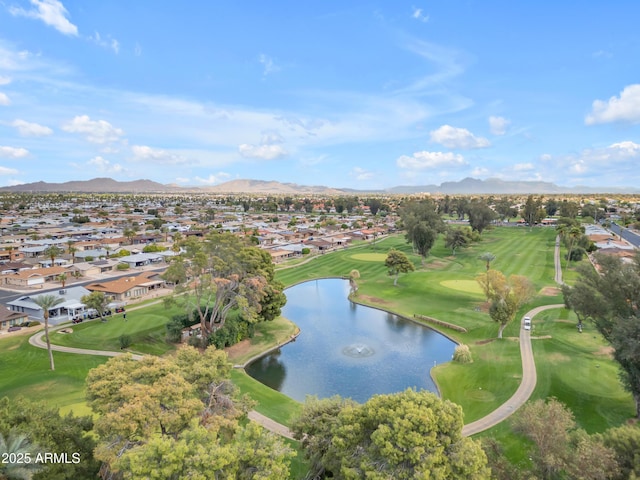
345	94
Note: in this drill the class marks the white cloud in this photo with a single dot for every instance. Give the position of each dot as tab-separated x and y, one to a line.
13	182
424	159
545	157
13	152
268	65
213	179
51	12
419	15
7	171
625	108
137	50
498	125
105	166
361	174
4	100
108	42
265	152
28	129
523	167
452	137
4	80
626	149
143	153
95	131
181	180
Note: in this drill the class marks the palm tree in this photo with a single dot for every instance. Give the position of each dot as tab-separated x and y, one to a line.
47	302
19	445
52	252
62	278
353	276
487	257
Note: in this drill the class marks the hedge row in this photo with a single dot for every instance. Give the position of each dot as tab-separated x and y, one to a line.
435	321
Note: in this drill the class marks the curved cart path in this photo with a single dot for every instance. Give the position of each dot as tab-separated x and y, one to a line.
527	385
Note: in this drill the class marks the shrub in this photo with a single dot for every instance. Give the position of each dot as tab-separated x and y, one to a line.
122	266
125	341
306	251
462	354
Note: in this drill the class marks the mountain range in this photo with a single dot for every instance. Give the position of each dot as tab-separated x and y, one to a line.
465	186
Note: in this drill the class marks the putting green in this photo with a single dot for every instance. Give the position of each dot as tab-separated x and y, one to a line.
370	257
469	286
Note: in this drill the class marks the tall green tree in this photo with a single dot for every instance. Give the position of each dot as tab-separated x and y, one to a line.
397	263
422	224
455	238
46	302
480	216
223	273
487	257
408	435
532	211
610	298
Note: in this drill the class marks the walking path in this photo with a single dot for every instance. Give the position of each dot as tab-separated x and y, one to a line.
519	398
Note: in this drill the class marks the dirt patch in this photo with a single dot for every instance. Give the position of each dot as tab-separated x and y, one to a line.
605	351
558	357
550	291
370	299
239	349
436	264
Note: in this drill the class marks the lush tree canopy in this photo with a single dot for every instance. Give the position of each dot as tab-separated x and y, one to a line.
178	417
408	435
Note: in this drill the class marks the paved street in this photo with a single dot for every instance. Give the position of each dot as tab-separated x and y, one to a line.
625	233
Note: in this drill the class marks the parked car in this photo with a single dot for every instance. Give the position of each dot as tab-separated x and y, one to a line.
15	328
77	320
527	323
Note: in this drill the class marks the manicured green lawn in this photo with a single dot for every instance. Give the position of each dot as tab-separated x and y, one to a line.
442	288
267	335
25	371
145	326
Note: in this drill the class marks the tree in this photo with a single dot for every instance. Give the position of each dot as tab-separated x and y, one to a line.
570	232
532	211
47	302
223	273
455	238
487	257
173	418
17	446
375	204
480	216
506	296
560	448
569	209
52	252
51	432
422	224
354	275
62	278
625	442
408	435
397	263
98	301
423	239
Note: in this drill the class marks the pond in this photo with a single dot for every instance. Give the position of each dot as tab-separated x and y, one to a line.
347	349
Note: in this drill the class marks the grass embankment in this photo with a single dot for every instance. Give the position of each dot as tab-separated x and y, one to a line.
25	371
145	326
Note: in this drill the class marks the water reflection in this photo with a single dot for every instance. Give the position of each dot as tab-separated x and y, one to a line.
353	351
